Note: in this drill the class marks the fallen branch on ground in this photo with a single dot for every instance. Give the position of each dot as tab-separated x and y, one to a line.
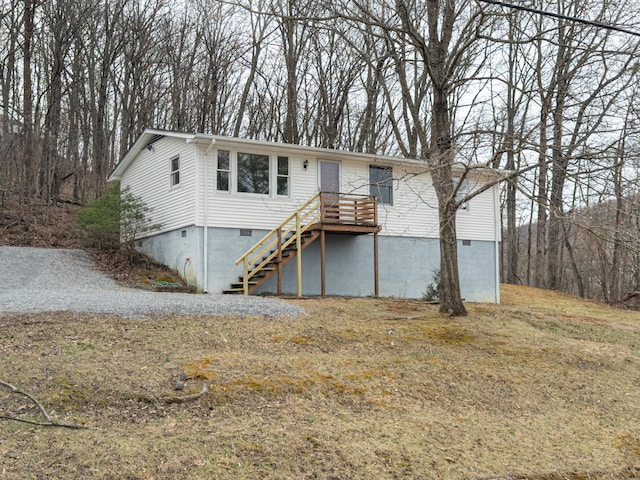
49	423
186	398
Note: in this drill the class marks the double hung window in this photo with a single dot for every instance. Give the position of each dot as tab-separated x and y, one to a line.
175	172
223	171
381	183
282	177
463	191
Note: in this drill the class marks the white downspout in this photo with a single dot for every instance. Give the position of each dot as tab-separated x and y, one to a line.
498	227
205	224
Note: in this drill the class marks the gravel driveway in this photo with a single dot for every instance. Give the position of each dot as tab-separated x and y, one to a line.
45	280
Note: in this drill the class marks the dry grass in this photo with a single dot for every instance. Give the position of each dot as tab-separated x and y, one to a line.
541	387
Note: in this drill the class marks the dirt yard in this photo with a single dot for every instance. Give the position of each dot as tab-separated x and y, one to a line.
542	387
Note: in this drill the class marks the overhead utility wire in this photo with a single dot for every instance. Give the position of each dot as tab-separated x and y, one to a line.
563	17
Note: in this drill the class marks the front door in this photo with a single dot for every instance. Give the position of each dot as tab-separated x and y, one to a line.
330	187
329	176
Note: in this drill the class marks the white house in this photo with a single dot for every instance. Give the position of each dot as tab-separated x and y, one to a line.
373	230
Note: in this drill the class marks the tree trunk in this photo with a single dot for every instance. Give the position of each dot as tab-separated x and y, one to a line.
572	259
556	200
434	52
28	177
289	27
367	136
450	297
539	279
7	72
511	242
256	48
542	201
49	172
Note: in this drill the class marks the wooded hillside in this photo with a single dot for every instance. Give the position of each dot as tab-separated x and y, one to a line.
544	92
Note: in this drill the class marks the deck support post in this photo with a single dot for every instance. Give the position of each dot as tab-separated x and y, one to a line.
245	279
279	262
376	288
323	289
299	253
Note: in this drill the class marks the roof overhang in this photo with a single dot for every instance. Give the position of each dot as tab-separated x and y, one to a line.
149	136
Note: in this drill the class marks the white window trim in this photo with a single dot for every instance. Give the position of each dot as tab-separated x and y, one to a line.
462	192
392	194
172	172
274	180
216	170
233	174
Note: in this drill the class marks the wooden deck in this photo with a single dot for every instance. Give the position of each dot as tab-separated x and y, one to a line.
323	213
347	214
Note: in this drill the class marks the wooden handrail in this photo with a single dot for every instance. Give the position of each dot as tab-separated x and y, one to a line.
271	245
272	232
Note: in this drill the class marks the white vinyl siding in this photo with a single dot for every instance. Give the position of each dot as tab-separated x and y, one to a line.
478	221
414	212
252	211
149	178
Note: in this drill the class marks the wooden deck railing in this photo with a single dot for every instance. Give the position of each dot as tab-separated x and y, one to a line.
345	209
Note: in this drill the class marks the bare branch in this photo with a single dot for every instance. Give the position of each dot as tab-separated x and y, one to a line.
49	423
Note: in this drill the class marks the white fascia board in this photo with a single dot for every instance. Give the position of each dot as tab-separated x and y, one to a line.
273	147
140	143
302	150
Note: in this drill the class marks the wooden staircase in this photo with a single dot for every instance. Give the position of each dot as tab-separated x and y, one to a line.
263	274
333	212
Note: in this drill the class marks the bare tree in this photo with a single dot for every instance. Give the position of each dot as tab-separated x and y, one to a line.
436	39
370	132
294	37
106	41
260	30
10	28
581	73
27	110
138	68
61	21
217	93
335	66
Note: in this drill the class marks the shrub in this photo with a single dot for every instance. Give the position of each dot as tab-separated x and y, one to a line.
100	221
432	293
113	221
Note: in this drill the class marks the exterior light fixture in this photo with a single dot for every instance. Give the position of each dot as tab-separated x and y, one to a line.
305	164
